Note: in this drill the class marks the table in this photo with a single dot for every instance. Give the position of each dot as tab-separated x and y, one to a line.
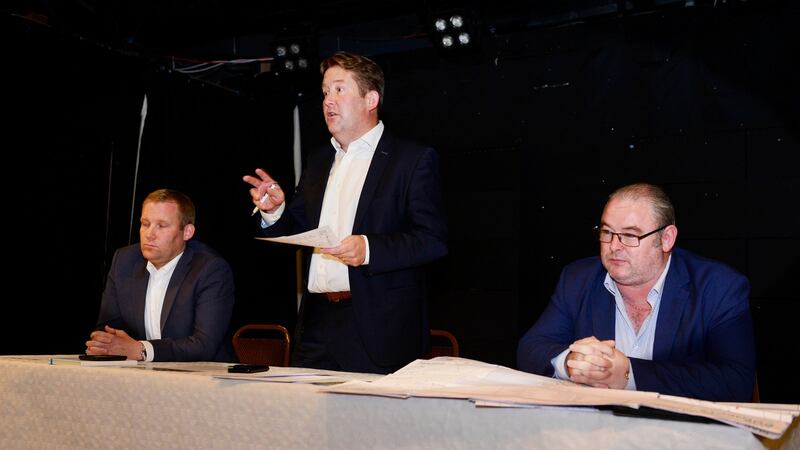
55	406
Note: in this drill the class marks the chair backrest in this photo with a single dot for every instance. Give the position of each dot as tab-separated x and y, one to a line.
262	344
443	343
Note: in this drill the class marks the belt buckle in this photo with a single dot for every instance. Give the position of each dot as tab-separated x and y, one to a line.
336	297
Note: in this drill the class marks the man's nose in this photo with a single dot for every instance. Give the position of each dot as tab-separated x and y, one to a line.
616	244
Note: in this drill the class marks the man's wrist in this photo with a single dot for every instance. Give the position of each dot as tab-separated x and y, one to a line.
142	352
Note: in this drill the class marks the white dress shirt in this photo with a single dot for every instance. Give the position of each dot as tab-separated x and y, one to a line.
342	192
154	301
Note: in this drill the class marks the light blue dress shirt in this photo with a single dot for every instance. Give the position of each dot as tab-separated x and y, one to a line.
628	341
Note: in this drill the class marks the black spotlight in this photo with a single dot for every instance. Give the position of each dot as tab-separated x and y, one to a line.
454	29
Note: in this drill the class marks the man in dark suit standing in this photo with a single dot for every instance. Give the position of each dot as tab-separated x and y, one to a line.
646	315
365	309
166	298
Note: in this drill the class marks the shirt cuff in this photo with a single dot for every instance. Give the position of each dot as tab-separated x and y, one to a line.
366	255
631	386
151	353
268	220
558	365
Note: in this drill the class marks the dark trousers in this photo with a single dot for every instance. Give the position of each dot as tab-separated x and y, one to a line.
328	338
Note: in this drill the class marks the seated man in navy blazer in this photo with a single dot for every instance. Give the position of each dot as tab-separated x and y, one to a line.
166	298
646	315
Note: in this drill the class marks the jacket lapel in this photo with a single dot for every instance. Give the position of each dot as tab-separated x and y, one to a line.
376	167
604	309
315	191
674	300
139	293
175	282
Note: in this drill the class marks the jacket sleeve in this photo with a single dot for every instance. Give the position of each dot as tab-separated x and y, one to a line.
725	369
109	305
213	293
552	333
421	235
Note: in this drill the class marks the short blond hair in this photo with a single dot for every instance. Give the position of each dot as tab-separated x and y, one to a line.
367	73
185	205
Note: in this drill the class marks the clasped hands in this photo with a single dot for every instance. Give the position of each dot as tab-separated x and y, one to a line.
113	342
597	363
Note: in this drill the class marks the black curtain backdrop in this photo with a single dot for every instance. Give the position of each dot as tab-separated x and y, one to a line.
535	129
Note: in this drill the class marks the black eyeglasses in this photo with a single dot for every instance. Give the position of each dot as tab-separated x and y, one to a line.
627	239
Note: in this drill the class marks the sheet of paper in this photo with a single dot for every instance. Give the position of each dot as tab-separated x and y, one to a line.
448	371
763	422
549	395
449	377
490	404
320	237
309	378
77	362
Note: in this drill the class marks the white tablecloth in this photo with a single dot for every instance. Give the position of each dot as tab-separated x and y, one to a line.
55	406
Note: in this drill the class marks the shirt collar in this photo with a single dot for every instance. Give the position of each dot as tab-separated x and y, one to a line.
655	291
369	140
166	268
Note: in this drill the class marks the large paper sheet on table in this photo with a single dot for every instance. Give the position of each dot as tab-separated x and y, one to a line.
488	384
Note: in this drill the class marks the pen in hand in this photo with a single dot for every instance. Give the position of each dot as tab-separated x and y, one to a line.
264	198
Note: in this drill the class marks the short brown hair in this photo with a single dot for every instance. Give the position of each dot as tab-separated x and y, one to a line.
185	205
663	210
367	73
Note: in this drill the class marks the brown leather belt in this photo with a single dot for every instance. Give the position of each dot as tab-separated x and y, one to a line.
336	297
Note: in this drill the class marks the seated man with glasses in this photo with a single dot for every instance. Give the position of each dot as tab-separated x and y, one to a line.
646	315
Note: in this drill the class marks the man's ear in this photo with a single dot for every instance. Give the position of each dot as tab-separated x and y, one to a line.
373	100
188	231
668	238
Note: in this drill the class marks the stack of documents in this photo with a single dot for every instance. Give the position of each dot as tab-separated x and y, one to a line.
488	384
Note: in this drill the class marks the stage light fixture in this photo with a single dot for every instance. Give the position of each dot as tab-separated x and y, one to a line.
292	56
453	30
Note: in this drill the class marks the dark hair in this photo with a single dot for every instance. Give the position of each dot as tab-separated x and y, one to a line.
367	73
185	205
663	210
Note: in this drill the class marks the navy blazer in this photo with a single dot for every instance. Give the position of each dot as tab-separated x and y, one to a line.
400	211
704	346
197	306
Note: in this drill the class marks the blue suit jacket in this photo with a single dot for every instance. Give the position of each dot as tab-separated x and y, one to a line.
703	348
197	306
400	211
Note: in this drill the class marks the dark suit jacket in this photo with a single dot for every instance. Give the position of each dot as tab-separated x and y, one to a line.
400	211
703	348
197	306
